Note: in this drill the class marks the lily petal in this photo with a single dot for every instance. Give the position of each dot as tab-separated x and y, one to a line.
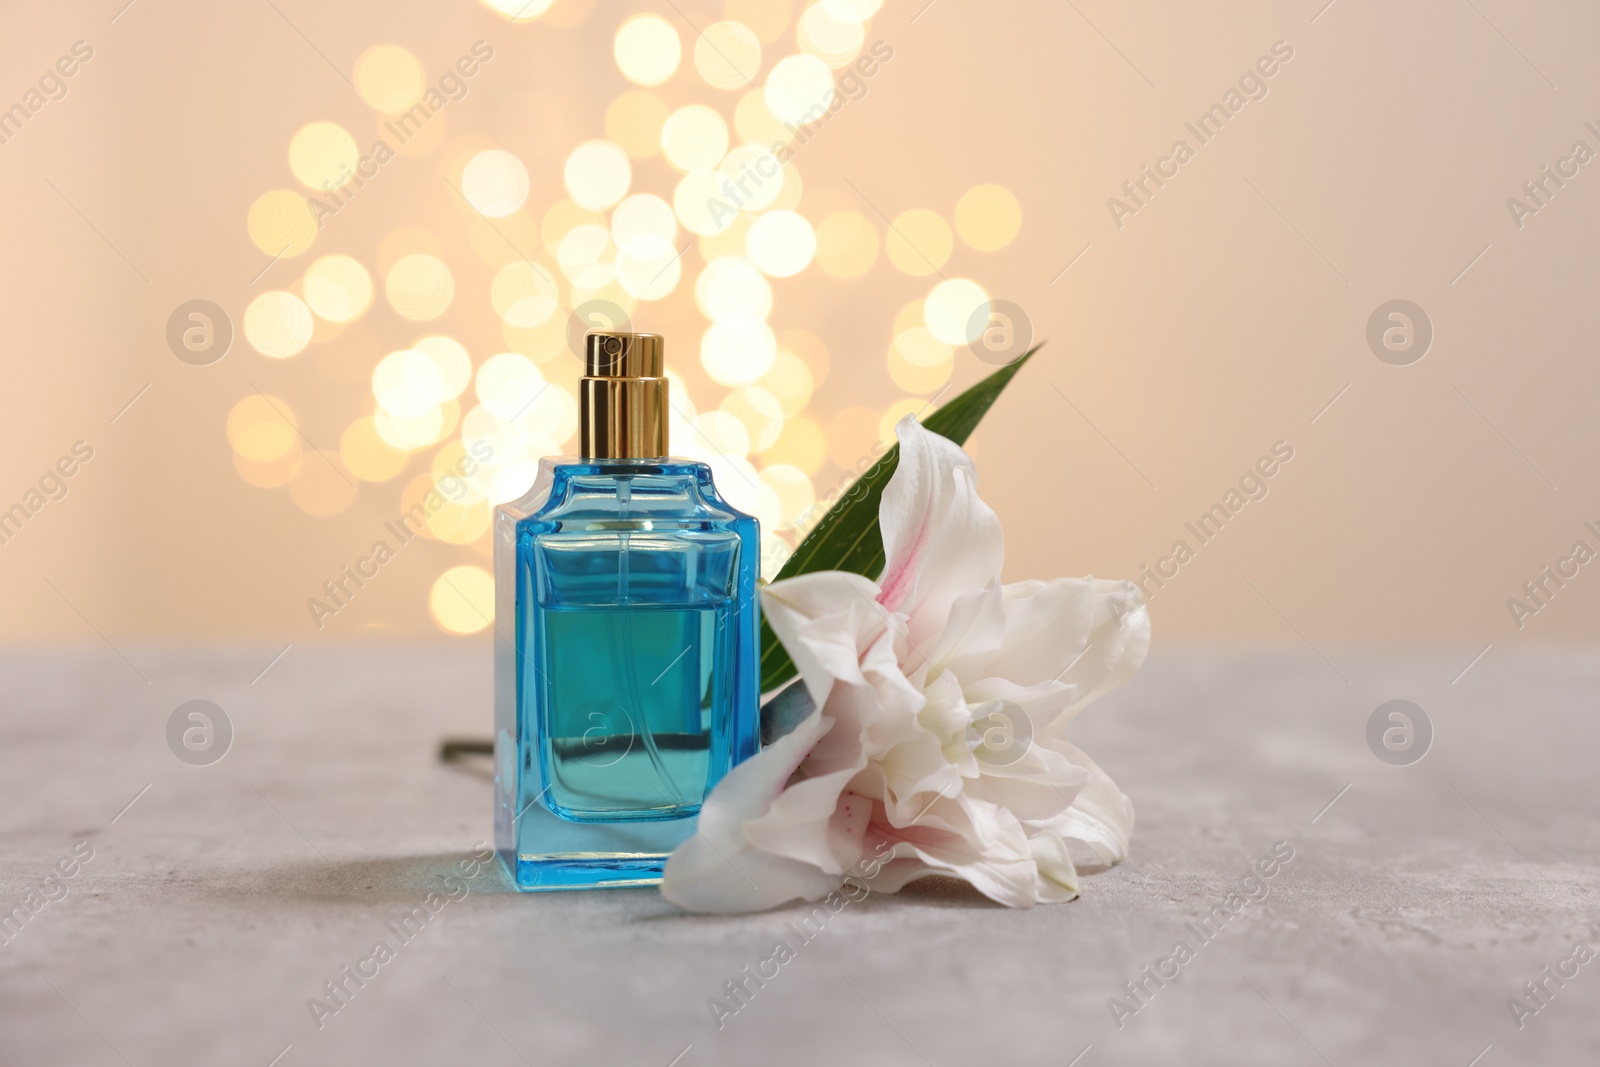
718	870
939	539
929	723
822	619
1099	826
1090	633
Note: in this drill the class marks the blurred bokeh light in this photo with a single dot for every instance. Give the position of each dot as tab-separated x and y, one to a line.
695	206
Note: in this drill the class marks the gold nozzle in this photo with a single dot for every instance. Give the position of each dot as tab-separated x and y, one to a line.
622	397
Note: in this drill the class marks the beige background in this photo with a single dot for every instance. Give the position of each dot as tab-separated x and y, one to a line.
1220	319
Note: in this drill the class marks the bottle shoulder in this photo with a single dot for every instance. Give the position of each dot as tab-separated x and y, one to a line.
571	494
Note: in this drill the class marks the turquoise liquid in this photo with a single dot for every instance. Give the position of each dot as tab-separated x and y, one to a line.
630	696
631	687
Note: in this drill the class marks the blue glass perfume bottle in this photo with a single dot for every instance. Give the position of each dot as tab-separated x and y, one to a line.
627	632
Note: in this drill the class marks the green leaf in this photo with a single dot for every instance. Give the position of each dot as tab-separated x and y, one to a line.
847	538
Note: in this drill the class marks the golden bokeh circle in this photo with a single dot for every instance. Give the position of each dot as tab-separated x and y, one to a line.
719	434
389	78
732	288
701	204
281	223
419	286
461	600
988	217
725	242
495	182
918	345
781	243
643	215
338	288
262	428
755	233
541	343
459	522
694	137
563	216
799	88
727	55
524	294
647	49
634	122
790	381
952	311
913	405
271	473
519	10
914	375
587	257
597	175
278	324
854	10
367	455
407	384
908	316
450	360
737	351
460	474
811	350
919	242
413	433
754	179
793	489
323	156
648	267
402	241
801	445
756	123
760	413
507	383
830	33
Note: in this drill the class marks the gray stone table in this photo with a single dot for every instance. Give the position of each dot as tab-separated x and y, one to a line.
219	899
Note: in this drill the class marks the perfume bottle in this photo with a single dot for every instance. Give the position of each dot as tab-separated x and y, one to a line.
626	642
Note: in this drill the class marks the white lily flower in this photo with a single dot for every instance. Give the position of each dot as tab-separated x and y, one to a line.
936	740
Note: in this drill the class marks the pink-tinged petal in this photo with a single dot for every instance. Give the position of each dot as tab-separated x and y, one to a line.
940	540
870	716
854	710
1001	867
718	870
814	823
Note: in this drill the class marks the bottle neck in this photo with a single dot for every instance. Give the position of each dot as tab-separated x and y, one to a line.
622	418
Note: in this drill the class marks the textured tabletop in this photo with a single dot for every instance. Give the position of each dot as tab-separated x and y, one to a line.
207	906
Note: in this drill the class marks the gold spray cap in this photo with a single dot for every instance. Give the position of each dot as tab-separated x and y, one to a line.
622	397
